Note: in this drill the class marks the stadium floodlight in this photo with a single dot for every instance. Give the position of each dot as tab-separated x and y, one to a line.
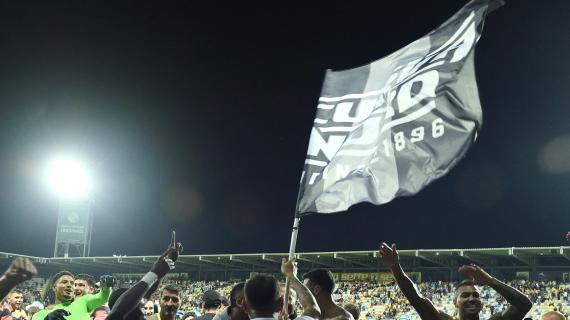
69	178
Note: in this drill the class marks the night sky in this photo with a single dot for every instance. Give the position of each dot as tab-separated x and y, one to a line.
195	116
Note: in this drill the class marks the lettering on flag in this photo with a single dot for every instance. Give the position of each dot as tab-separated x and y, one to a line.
410	114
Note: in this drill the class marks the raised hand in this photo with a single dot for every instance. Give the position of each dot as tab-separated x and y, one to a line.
480	276
107	281
165	262
58	314
389	256
20	270
283	315
289	267
175	248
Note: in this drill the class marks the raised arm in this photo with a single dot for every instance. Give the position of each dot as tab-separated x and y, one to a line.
93	301
520	304
129	300
308	302
19	271
389	256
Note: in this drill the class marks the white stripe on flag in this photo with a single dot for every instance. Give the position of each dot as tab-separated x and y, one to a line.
357	153
316	163
336	129
350	96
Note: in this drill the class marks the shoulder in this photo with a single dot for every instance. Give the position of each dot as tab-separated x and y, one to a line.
151	317
4	311
304	317
83	298
40	314
444	316
222	315
5	314
341	315
496	316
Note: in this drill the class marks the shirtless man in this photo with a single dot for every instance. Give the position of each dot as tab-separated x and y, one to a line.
466	299
321	283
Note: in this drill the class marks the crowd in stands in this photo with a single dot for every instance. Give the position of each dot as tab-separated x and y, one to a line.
375	300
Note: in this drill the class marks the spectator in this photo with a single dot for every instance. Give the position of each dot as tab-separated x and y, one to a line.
14	304
19	271
148	308
169	304
83	284
211	305
236	309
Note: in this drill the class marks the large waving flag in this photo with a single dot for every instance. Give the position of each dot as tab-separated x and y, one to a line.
389	128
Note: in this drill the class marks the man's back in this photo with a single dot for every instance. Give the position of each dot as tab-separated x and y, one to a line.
206	316
335	312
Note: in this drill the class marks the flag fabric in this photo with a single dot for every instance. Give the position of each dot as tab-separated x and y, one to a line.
391	127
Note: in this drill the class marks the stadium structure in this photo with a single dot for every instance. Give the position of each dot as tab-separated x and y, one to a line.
533	263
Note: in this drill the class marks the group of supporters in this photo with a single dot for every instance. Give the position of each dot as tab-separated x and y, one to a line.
261	297
372	300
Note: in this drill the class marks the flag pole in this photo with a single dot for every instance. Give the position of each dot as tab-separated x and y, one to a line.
294	233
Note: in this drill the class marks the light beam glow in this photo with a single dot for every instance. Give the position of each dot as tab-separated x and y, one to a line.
69	178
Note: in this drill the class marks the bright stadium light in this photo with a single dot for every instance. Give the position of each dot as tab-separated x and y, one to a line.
69	179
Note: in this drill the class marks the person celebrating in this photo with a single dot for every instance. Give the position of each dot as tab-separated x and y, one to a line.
466	298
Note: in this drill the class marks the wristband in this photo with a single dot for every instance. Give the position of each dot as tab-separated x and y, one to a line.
149	278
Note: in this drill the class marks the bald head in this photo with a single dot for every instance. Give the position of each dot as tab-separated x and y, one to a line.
553	315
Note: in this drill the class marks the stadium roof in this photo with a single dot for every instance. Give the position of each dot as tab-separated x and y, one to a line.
530	258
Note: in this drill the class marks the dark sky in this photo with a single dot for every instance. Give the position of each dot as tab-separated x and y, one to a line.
195	116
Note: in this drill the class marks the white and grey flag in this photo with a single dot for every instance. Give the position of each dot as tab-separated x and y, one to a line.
391	127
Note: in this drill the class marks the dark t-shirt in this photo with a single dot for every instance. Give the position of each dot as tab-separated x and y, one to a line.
206	316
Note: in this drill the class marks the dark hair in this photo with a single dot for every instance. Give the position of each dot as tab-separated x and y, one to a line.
262	293
87	278
58	275
353	309
321	277
170	288
236	290
466	282
189	314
